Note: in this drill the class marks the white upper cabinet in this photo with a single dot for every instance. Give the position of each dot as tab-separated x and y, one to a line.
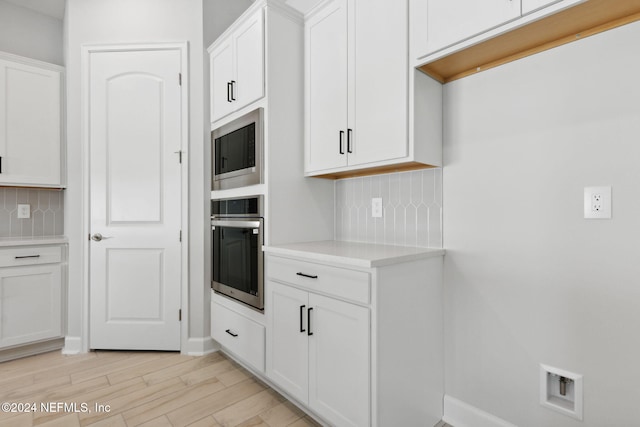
327	88
30	122
532	5
450	21
358	89
237	66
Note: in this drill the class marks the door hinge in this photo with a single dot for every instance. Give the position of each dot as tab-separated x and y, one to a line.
180	315
180	235
180	79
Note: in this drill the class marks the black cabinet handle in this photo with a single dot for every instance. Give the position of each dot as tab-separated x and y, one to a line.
233	89
306	275
341	142
231	333
349	131
301	316
309	333
228	91
28	256
0	164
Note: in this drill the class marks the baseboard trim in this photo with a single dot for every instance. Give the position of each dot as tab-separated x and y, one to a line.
200	346
72	345
460	414
30	349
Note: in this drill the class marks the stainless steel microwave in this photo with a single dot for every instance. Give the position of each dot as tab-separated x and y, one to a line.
237	152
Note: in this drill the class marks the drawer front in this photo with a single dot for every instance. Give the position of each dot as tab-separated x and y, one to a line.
242	336
347	284
30	255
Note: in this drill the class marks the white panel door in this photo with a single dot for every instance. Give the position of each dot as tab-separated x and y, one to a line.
248	42
379	81
30	118
451	21
287	339
221	63
135	130
327	89
339	361
30	303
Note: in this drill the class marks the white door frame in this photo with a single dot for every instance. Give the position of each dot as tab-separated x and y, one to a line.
87	50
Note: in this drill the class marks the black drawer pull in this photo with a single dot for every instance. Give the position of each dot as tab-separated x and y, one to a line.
307	275
231	333
28	256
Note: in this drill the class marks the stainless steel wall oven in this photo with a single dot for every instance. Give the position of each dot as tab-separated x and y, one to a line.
237	229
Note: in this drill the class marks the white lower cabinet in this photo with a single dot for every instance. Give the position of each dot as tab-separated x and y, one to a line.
319	353
30	295
241	336
354	345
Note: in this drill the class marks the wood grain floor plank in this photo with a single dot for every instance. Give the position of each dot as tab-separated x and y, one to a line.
125	401
113	421
179	369
136	371
15	420
162	421
69	420
247	408
253	422
153	409
109	365
205	422
208	372
201	408
282	415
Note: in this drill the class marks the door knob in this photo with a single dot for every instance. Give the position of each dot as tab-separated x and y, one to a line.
98	237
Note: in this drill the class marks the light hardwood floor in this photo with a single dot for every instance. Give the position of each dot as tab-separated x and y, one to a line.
150	389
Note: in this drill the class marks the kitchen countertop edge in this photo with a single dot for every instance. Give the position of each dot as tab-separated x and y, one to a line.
33	241
355	254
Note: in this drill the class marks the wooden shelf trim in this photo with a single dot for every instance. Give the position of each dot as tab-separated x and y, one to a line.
378	170
576	23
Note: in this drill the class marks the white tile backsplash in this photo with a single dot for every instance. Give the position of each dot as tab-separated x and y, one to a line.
47	213
412	209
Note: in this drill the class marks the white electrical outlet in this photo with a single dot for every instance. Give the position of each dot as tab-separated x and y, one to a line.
597	202
376	207
24	211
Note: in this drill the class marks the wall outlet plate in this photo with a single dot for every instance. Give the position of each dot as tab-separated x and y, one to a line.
376	207
597	202
24	211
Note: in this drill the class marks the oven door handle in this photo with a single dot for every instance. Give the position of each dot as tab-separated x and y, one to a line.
236	224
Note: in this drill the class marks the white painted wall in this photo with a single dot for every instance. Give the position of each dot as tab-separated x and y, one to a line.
28	33
219	15
527	279
124	21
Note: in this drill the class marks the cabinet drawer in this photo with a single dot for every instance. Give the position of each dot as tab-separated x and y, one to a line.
30	255
241	336
339	282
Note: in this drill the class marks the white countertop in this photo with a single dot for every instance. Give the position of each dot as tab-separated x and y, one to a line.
353	253
32	241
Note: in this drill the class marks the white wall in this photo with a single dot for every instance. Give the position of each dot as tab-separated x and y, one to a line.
27	33
219	15
125	21
527	279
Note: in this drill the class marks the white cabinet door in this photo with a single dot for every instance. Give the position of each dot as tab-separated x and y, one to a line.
287	339
30	125
529	6
451	21
379	81
237	68
30	303
221	63
326	88
339	361
248	43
